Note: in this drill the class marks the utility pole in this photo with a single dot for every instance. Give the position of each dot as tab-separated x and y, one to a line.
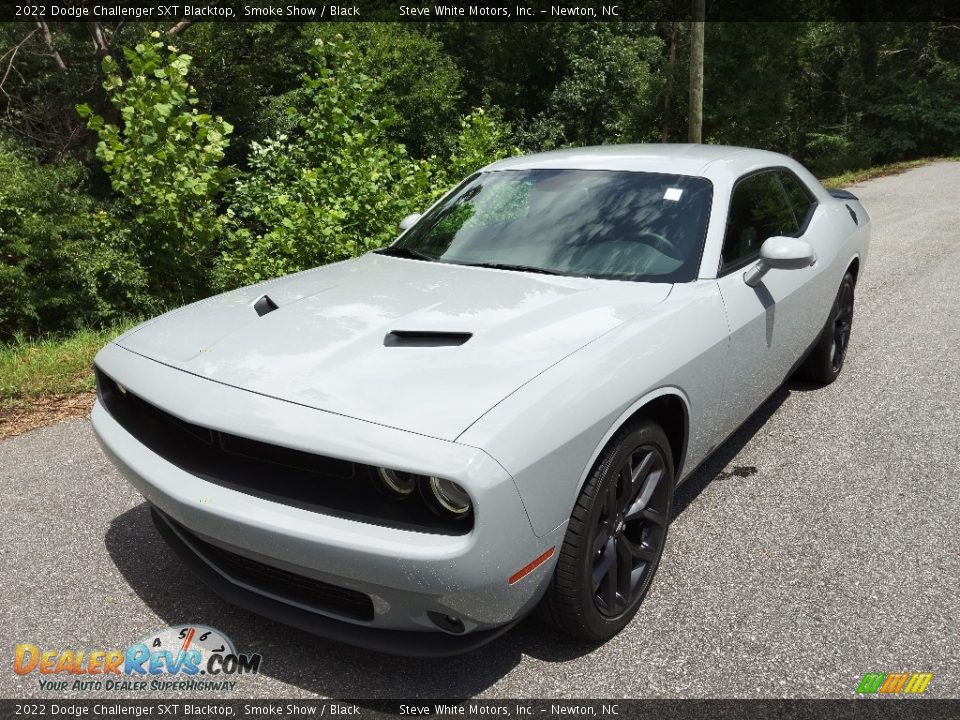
671	68
695	124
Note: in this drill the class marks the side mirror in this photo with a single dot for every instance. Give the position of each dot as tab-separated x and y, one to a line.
781	253
409	221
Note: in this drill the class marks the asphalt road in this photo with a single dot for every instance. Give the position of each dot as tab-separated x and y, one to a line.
838	555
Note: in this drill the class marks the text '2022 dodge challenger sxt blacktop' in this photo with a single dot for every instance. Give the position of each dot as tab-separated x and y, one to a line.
412	449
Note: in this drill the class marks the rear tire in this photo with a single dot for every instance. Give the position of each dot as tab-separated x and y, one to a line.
825	361
615	536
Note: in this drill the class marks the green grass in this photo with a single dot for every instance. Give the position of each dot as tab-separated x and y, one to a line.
852	177
31	369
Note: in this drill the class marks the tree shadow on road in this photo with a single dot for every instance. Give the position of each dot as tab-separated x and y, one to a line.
332	669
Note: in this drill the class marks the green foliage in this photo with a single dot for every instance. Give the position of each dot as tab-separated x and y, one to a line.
609	92
341	129
838	96
483	139
746	101
563	83
46	229
251	73
335	184
418	84
330	188
56	273
911	117
163	159
37	105
831	153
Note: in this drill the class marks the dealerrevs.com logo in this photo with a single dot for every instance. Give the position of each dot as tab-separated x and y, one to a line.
186	657
894	683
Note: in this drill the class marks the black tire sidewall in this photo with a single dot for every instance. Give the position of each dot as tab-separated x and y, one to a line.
825	371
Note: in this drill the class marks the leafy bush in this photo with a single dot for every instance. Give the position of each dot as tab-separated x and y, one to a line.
41	212
56	272
832	153
482	140
163	160
331	188
251	72
608	94
415	78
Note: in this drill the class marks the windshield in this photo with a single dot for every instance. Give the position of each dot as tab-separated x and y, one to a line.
589	223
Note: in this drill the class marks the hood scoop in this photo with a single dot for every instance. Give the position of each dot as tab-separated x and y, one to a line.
425	338
265	305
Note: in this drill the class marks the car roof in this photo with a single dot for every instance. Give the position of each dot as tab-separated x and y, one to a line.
675	158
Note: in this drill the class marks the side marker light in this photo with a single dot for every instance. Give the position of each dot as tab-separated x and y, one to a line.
527	569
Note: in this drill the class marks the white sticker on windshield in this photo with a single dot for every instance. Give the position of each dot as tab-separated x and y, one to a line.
673	194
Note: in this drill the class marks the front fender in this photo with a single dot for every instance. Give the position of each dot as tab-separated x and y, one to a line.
549	432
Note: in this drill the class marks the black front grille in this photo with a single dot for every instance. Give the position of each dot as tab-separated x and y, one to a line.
282	583
283	475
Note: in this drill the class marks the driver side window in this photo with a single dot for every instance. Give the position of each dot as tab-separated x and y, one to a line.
759	209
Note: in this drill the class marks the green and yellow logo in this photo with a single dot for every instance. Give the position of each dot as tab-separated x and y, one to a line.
894	683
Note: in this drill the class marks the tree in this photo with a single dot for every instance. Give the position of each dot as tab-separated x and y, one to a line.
335	184
332	186
163	160
609	91
57	271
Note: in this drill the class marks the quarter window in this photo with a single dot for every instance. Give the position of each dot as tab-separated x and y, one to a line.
759	209
800	199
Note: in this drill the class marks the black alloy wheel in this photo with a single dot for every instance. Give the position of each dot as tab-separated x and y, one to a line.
825	360
615	536
842	324
630	531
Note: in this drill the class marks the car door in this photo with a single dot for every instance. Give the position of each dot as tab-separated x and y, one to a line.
770	325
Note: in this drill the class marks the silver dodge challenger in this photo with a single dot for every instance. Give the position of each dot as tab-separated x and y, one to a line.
411	450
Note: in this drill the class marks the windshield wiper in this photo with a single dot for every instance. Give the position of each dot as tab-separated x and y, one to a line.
519	268
412	253
405	252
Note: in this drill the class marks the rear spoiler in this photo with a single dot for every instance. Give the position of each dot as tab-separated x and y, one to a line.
843	194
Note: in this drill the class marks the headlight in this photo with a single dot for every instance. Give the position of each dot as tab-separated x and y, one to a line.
444	497
400	484
449	497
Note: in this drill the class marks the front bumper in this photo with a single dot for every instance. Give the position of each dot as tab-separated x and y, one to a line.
406	574
397	642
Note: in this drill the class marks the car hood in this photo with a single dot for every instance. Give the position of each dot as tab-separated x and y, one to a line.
323	340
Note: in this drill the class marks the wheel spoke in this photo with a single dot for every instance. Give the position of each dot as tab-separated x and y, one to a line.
625	568
653	517
646	492
600	542
606	563
613	579
637	576
641	470
641	551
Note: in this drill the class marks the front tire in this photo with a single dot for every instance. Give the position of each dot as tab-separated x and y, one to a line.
615	537
825	361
